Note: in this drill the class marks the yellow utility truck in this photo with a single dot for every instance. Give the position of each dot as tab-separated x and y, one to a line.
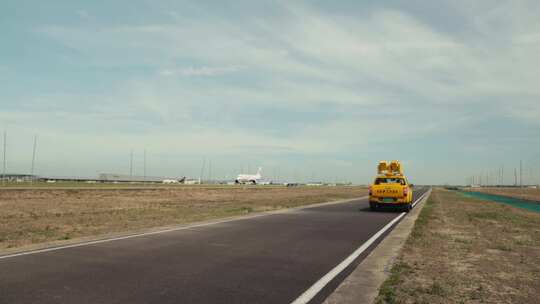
390	187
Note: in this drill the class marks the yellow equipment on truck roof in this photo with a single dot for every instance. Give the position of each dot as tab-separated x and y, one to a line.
390	168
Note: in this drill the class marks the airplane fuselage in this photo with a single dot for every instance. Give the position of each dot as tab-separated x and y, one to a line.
248	178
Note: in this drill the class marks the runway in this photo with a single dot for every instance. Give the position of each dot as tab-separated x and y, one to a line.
264	259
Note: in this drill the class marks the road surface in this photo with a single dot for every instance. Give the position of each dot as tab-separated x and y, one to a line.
265	259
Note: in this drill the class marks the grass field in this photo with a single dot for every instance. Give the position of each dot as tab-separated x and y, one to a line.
465	250
35	216
108	185
522	193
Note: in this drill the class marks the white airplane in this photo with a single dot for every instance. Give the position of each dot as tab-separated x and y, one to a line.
249	178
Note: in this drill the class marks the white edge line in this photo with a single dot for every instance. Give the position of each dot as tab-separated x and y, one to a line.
322	282
238	218
422	196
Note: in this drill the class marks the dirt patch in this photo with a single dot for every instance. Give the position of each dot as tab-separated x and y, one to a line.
44	215
465	250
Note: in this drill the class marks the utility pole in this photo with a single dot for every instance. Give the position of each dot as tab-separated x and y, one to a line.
33	159
4	162
515	177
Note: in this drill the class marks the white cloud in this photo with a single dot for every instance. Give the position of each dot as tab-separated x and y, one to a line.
83	14
324	58
200	71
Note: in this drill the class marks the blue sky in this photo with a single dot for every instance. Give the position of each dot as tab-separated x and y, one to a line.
307	89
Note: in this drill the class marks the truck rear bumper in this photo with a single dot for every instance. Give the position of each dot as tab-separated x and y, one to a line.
395	201
377	205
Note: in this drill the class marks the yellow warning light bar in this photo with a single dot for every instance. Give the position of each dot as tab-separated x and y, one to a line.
390	168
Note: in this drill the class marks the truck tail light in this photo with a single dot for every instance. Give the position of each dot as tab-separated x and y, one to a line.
405	191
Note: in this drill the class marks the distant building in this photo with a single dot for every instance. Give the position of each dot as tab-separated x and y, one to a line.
102	178
170	181
122	178
192	182
10	177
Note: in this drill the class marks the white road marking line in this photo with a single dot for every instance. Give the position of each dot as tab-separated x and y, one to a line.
418	200
175	229
322	282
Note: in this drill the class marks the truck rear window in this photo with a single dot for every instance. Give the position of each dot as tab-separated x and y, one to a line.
387	180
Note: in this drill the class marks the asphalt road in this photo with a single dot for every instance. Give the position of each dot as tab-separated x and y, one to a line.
266	259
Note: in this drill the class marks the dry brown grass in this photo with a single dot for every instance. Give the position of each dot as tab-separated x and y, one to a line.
523	193
465	250
45	215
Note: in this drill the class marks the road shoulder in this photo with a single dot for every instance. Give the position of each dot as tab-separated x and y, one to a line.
465	249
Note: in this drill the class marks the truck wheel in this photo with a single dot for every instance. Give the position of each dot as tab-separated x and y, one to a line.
408	207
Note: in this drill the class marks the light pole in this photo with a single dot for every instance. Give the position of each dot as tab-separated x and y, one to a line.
202	171
33	159
521	173
4	162
131	165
